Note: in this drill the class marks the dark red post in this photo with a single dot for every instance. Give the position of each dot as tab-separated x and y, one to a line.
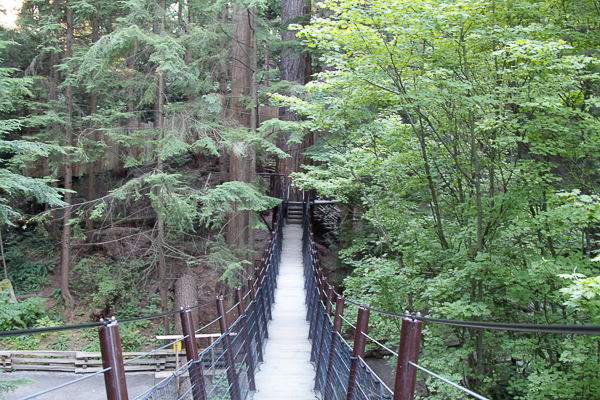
245	338
406	374
112	356
329	300
251	289
191	353
234	389
358	351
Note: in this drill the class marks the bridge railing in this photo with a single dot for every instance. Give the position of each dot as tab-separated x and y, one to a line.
225	369
341	372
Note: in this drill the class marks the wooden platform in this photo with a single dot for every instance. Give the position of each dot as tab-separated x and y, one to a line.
287	373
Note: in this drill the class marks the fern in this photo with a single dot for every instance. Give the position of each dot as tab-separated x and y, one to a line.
19	315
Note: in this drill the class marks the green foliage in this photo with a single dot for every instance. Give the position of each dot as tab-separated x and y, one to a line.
103	283
61	343
26	256
584	296
216	203
131	338
14	184
7	386
20	315
463	137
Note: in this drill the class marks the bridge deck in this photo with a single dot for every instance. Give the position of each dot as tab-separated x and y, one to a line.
287	373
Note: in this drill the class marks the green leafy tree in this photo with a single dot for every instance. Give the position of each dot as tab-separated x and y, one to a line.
459	131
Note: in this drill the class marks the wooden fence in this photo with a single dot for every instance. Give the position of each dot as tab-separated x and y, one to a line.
82	362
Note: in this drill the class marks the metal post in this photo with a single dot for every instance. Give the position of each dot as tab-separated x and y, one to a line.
406	374
112	356
191	353
259	349
358	351
337	328
245	338
329	300
234	389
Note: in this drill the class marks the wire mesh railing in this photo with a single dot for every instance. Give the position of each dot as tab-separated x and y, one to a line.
340	371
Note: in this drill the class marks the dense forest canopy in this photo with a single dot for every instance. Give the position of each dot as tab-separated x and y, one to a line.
461	140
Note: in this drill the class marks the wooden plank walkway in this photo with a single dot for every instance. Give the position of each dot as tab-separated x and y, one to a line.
287	373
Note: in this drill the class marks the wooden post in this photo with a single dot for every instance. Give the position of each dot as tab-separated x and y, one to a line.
358	351
329	300
337	328
191	352
406	374
234	389
112	356
245	338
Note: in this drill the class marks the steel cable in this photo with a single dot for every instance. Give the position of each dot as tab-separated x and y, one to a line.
91	324
477	396
380	344
207	325
533	328
155	350
348	322
66	384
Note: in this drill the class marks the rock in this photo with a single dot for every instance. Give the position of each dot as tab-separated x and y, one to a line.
7	285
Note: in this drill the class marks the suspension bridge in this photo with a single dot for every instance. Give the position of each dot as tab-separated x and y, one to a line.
285	341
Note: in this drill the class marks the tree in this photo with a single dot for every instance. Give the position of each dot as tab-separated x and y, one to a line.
242	163
294	66
462	128
13	185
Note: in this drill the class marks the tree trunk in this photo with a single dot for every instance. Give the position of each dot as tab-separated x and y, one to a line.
162	278
66	236
186	296
293	69
223	69
241	167
53	96
91	195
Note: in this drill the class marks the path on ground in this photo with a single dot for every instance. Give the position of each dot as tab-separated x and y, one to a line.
94	389
287	373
